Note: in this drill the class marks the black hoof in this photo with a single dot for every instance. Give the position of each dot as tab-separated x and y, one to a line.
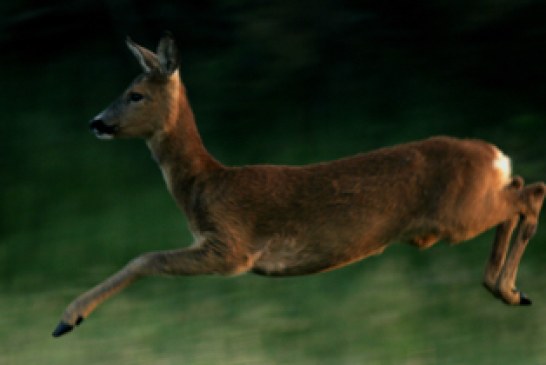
64	327
524	300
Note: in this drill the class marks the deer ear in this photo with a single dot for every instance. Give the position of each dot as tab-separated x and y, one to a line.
147	59
167	54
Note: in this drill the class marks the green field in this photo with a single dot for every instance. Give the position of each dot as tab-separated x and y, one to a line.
75	209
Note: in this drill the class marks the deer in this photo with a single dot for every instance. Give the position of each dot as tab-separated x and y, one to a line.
278	220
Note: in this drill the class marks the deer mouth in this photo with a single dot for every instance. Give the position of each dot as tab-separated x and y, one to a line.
103	130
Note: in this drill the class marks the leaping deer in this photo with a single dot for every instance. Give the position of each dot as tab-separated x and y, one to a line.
285	220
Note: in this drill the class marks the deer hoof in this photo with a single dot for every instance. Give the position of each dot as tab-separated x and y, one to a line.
524	299
64	327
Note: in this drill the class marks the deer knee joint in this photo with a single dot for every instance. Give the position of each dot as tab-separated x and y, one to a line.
146	264
528	231
531	199
539	190
516	183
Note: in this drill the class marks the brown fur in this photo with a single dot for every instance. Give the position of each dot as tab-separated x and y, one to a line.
284	220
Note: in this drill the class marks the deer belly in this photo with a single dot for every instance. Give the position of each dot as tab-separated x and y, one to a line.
291	257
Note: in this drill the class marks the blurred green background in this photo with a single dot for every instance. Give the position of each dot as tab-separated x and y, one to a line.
276	82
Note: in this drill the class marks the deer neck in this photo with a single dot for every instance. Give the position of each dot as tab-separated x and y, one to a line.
179	150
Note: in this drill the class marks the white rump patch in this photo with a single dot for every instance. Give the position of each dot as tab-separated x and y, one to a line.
503	165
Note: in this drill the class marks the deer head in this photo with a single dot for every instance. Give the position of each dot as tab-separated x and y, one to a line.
147	105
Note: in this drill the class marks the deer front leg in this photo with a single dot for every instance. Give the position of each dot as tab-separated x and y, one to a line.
208	258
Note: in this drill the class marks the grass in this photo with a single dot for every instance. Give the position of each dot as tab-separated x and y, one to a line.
386	310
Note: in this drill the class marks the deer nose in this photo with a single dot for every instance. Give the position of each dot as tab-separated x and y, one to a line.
101	129
96	125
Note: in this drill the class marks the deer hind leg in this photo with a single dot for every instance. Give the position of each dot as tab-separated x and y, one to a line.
501	243
498	253
531	199
208	258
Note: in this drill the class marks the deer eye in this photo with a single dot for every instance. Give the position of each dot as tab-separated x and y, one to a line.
135	97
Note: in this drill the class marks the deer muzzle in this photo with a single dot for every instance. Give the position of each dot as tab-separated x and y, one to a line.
103	130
